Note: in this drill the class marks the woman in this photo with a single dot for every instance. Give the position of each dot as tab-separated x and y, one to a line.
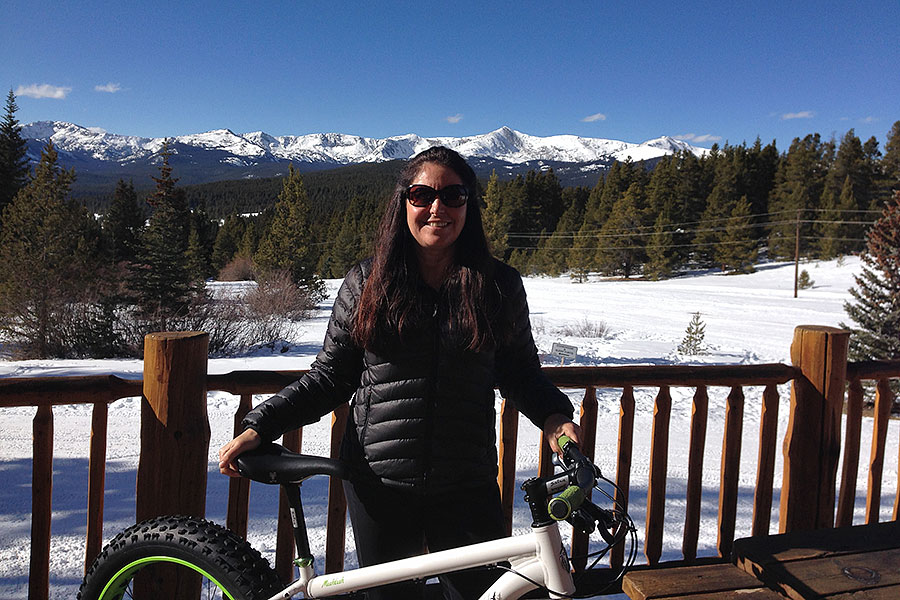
418	338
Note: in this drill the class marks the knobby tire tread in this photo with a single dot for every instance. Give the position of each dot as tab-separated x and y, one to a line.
238	566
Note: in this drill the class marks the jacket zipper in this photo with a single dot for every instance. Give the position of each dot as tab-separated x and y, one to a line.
430	397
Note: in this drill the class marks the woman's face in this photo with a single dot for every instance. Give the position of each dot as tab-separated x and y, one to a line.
437	226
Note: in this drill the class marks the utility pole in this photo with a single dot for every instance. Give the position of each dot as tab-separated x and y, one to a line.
797	255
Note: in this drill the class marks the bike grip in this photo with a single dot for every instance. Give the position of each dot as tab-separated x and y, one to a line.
560	507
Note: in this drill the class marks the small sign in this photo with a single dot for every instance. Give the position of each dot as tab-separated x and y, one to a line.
564	351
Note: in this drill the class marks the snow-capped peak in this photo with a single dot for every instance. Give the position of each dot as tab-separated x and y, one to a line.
502	144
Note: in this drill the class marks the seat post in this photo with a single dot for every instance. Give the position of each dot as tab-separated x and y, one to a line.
298	522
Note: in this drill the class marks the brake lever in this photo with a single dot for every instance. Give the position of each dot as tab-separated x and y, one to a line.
605	519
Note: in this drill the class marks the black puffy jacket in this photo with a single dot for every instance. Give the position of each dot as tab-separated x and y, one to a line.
422	412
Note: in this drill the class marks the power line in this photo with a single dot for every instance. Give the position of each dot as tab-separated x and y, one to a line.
653	246
678	227
679	231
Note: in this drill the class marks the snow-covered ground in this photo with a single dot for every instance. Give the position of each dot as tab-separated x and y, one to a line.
749	320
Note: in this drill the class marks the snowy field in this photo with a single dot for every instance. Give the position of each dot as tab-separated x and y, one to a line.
749	320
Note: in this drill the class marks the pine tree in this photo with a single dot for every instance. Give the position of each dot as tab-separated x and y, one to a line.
516	215
124	223
285	246
206	230
195	256
662	257
875	308
249	243
13	161
621	238
736	248
889	175
758	179
800	182
719	205
544	199
344	248
47	263
692	344
228	239
854	166
693	185
495	219
804	281
835	232
695	177
599	207
554	252
160	280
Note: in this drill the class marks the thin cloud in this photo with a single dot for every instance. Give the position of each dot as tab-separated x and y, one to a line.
593	118
43	90
870	120
454	118
803	114
109	88
700	139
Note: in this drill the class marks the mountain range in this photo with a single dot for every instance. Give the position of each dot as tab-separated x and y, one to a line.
101	158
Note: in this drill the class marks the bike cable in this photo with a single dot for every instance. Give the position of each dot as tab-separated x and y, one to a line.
624	529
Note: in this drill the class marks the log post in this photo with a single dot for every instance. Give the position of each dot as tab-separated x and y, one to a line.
693	503
173	464
656	487
506	473
812	442
588	422
41	495
731	465
336	521
96	483
239	487
285	548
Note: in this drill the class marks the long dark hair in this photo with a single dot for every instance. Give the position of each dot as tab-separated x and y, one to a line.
390	302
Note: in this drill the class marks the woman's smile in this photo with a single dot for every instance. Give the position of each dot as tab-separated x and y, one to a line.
436	226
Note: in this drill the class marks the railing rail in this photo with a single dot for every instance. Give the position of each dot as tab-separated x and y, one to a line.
99	391
879	373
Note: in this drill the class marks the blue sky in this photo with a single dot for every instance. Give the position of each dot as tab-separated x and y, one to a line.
702	71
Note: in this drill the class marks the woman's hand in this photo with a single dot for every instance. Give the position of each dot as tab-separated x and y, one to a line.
247	440
557	425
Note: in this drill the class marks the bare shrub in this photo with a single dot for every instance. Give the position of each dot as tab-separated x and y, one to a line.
236	317
277	295
585	329
538	328
239	269
260	315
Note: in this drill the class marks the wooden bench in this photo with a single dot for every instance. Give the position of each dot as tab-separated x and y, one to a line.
835	564
707	582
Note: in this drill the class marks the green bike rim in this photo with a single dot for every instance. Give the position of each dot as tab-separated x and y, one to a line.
120	580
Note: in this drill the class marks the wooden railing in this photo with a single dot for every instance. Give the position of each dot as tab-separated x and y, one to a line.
879	373
818	374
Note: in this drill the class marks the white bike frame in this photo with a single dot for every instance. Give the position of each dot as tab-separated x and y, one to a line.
539	556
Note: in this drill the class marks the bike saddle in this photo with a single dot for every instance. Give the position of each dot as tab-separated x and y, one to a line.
273	463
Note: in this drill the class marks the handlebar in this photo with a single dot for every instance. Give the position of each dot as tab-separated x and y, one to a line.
565	496
573	503
582	475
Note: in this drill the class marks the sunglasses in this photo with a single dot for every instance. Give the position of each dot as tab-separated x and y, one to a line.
453	196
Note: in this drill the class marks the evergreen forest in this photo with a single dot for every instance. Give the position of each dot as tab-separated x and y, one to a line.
729	209
72	267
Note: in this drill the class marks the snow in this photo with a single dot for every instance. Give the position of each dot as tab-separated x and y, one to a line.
503	144
749	320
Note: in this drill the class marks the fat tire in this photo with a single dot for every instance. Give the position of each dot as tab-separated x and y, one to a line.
230	560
